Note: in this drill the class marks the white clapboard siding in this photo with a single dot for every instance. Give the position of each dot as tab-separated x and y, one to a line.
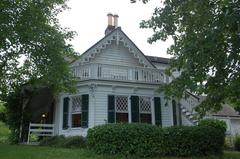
116	55
166	113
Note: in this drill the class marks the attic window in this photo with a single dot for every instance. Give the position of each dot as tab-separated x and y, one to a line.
109	42
103	46
114	37
86	59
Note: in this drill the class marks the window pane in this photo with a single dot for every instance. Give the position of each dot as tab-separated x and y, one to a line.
76	120
76	104
146	118
121	104
122	117
145	104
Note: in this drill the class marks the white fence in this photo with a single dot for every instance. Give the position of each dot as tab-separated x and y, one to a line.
40	130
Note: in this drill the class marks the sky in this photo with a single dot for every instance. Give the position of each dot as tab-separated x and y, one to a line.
89	19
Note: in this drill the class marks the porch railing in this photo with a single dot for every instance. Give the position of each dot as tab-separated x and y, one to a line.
40	130
119	73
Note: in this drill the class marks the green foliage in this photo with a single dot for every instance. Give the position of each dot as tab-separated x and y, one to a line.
64	142
4	133
237	143
33	45
14	115
219	124
205	48
54	141
2	112
125	139
145	140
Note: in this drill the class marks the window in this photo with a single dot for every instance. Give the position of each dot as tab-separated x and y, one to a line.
121	107
145	109
76	111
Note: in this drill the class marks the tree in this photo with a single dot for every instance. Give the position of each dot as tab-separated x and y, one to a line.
33	45
206	48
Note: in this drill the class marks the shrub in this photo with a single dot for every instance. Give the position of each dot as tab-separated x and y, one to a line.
145	140
237	143
229	144
214	123
125	139
2	112
64	142
193	141
54	141
74	142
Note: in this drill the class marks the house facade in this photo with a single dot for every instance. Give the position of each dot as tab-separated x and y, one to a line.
118	83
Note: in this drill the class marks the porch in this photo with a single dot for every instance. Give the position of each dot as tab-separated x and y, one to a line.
119	73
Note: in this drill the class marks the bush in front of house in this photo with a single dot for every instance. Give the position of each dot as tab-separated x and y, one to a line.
237	143
219	124
74	142
64	142
145	140
125	139
193	141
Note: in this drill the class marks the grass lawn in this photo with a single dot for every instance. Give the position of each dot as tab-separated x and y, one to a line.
37	152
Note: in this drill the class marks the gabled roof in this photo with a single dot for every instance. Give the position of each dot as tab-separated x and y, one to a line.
156	59
227	111
116	35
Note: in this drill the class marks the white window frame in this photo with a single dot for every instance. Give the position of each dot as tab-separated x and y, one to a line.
115	106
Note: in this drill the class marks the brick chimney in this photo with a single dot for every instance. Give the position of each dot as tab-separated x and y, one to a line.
112	23
110	26
115	17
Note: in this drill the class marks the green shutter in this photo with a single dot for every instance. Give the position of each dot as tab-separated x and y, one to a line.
65	112
84	119
111	109
135	108
174	109
179	114
158	111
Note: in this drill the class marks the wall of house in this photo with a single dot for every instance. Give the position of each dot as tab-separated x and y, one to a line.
98	106
235	126
116	55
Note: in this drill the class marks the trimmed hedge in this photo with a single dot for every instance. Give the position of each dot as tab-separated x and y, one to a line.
219	124
146	140
64	142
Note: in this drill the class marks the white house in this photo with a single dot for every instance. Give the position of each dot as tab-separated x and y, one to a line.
118	83
231	118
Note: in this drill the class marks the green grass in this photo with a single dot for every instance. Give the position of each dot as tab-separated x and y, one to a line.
37	152
4	132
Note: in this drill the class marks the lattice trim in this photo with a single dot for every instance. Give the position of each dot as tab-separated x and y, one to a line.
145	104
76	104
121	104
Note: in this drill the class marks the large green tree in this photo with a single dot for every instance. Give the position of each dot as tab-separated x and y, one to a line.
33	45
206	47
